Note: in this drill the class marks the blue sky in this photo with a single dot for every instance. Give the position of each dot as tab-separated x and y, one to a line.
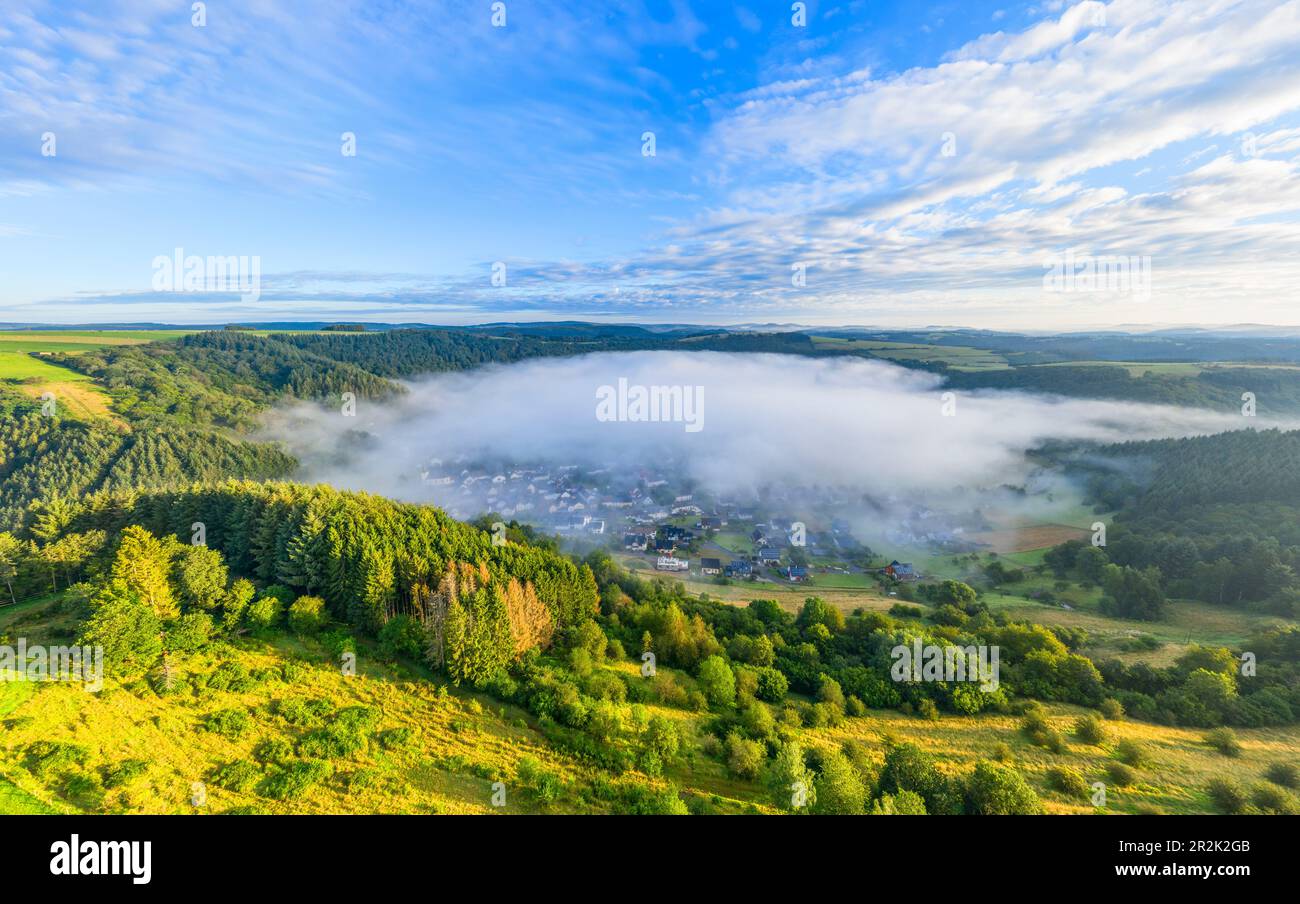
922	163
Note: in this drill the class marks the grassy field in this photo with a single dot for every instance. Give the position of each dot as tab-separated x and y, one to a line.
23	369
959	357
432	748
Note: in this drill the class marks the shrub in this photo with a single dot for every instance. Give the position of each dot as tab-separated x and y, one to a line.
1040	732
927	709
1274	800
395	738
904	803
718	681
231	676
1000	791
237	775
1285	774
1225	741
229	723
1131	753
82	788
189	632
307	615
545	785
1067	781
295	779
263	613
744	758
1227	796
46	757
1120	774
123	773
303	713
908	768
772	685
273	750
1002	752
402	637
1090	730
1111	709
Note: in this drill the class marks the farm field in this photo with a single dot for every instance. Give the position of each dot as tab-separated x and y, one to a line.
34	377
956	356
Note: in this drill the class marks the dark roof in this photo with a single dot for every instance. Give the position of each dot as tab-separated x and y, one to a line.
710	563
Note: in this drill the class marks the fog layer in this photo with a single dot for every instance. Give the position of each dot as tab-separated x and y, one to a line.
756	422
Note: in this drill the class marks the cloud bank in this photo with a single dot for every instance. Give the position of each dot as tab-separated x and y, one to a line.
865	432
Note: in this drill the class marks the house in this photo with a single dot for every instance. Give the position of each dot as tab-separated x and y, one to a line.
739	569
672	563
900	571
665	544
635	542
797	573
596	525
769	556
710	566
708	522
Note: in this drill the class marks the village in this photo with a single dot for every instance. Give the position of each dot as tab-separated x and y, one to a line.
676	526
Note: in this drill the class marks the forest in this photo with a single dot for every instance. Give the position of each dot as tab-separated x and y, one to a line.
163	533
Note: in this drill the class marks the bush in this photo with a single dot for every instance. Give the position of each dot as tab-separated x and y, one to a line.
295	779
83	789
189	632
264	612
237	775
273	750
1067	781
1225	741
744	758
1273	800
718	681
1000	791
1040	732
1227	796
402	637
229	723
1131	753
46	757
1090	730
303	713
344	734
1111	709
123	773
927	709
307	615
772	685
904	803
231	676
545	785
395	738
1120	774
1285	774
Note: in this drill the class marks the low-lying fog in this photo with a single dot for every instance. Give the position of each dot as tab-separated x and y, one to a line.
879	437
